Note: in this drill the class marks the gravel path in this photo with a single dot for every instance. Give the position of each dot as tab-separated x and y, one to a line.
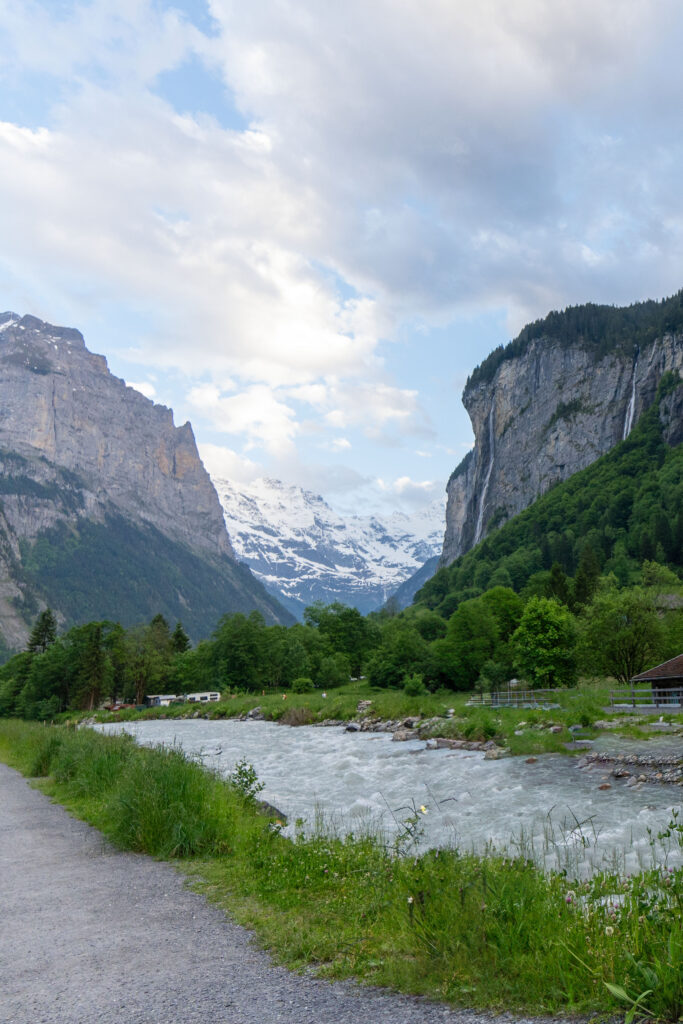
89	934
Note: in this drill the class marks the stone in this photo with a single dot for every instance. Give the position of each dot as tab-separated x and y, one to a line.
531	760
605	785
353	727
555	728
496	753
400	735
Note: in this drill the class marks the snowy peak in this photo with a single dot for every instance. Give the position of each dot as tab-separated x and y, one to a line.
300	547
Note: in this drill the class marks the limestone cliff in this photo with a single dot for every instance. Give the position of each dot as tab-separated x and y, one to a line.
61	403
83	453
550	404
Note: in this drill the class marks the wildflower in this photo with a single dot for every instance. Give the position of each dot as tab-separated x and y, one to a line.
570	897
410	899
423	808
609	930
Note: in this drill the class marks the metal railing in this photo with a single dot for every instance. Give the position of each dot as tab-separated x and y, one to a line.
514	699
647	696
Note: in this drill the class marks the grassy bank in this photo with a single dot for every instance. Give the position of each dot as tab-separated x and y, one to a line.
522	731
487	931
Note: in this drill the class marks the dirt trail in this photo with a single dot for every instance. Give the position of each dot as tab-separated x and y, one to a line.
89	934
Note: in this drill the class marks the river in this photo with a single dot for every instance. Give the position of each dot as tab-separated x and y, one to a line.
351	782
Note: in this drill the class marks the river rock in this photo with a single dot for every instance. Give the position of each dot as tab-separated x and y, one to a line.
495	753
400	735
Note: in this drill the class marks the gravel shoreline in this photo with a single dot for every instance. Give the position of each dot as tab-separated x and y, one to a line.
92	935
665	769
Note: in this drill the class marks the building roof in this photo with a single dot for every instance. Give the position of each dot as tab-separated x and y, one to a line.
672	669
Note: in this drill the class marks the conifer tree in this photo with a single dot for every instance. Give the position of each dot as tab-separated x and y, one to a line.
180	641
44	632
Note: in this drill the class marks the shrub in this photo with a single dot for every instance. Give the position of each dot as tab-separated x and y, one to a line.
302	685
413	686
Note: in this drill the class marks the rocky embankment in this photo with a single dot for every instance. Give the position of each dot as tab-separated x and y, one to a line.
638	768
409	728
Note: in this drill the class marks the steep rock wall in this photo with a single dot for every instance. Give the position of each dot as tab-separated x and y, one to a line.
61	404
106	510
544	415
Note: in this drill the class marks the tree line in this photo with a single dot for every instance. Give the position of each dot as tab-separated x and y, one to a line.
544	640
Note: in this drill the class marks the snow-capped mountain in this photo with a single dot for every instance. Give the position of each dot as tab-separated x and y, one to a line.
304	551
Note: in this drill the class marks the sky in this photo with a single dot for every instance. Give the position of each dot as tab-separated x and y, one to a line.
302	224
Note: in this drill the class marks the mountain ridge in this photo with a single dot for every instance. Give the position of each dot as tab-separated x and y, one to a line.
80	451
297	545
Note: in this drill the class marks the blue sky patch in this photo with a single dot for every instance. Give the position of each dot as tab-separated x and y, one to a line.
193	89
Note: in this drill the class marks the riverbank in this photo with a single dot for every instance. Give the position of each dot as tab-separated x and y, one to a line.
483	931
519	731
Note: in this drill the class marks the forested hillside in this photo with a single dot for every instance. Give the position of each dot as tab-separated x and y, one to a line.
603	328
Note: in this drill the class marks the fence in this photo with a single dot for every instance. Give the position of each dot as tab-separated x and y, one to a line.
515	699
647	696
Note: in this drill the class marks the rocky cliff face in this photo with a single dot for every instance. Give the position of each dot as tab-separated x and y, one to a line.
83	453
60	403
543	415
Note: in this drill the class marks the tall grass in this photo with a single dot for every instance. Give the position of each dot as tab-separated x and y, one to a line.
485	931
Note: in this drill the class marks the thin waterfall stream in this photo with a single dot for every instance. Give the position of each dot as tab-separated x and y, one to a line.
631	408
482	503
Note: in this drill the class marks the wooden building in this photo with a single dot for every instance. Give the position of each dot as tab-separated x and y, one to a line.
666	681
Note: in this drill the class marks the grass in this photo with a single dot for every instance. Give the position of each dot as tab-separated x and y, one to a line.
487	931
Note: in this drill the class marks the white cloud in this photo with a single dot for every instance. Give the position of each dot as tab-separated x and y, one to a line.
401	162
225	464
255	413
145	388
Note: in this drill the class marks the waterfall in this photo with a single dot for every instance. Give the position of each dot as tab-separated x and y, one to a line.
630	411
482	502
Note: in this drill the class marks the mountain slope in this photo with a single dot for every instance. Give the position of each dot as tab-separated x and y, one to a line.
101	495
625	508
563	393
300	548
